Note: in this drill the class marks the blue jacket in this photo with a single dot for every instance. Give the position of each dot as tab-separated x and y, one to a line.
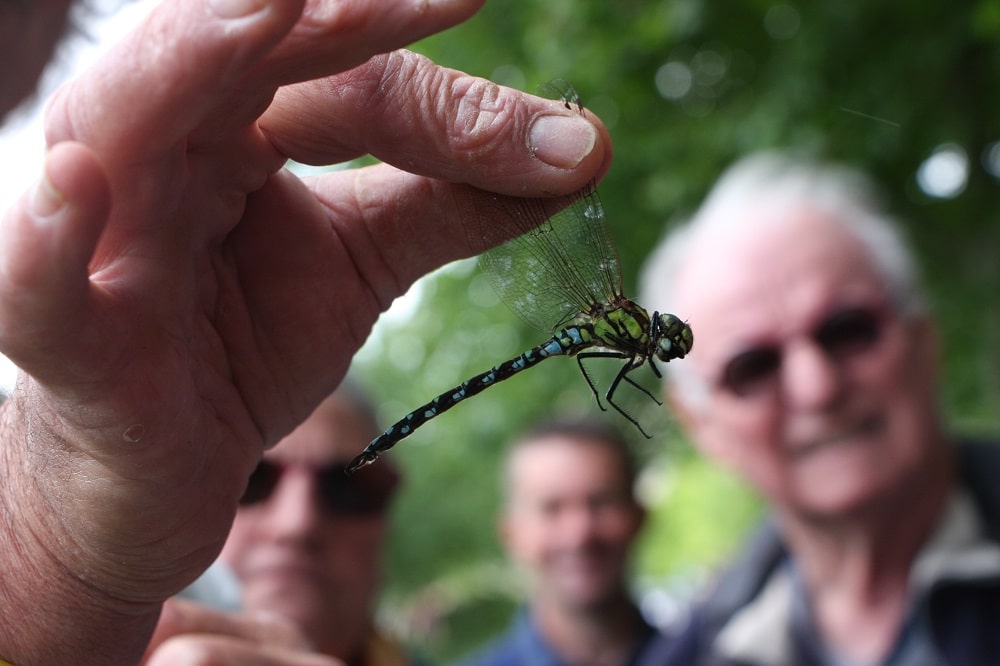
523	645
957	620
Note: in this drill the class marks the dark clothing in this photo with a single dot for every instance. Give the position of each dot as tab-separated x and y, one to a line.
758	614
523	645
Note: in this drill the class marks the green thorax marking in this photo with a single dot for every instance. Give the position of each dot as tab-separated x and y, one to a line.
626	325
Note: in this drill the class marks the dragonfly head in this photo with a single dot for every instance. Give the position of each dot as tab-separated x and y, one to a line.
673	337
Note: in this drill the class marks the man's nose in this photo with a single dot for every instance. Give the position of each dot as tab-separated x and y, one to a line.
810	379
578	524
292	508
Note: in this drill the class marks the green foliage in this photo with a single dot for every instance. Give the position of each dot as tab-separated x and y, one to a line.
700	515
686	86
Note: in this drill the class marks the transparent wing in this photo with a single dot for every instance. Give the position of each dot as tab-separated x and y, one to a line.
561	265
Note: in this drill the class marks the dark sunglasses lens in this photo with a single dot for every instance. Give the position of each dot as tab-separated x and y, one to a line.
849	332
748	371
261	484
352	495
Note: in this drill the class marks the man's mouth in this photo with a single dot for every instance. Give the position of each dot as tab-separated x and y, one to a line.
852	434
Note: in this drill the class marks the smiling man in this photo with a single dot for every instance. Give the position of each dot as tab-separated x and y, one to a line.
815	379
568	522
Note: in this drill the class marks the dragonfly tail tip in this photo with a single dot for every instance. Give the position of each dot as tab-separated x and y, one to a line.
364	458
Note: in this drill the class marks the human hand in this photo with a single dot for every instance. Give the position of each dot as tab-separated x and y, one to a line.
194	635
177	302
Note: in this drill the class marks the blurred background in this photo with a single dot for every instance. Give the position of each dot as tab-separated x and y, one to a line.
906	89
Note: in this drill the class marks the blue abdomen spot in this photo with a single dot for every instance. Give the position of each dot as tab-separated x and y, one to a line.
552	347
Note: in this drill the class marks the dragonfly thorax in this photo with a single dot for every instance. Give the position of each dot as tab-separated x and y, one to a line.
624	326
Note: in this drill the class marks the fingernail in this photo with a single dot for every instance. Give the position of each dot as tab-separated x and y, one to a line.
230	9
562	141
46	200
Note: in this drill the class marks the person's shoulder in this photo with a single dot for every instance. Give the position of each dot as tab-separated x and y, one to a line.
675	646
978	471
745	575
500	652
737	584
514	647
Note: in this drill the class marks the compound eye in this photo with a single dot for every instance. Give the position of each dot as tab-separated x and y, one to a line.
665	350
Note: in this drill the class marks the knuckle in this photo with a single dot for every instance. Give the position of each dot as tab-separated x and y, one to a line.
481	114
467	116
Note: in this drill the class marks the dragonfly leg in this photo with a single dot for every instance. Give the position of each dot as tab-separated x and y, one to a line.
643	389
629	367
623	374
586	375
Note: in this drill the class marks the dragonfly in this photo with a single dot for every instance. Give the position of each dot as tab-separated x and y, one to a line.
561	274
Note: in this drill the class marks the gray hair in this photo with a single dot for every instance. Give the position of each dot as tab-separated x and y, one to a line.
778	181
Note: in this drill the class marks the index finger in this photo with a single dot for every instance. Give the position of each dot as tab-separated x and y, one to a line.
439	122
168	72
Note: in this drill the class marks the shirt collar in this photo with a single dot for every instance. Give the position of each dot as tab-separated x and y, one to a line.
958	550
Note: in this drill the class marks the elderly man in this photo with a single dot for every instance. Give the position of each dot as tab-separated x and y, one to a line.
307	540
815	379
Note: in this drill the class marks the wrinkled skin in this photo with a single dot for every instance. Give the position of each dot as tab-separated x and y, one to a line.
178	302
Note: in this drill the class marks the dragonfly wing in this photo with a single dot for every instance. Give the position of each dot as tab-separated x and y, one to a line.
560	265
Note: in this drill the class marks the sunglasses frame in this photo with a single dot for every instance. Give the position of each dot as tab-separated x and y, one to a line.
367	493
842	334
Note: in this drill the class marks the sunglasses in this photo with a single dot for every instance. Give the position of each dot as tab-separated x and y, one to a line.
843	335
361	494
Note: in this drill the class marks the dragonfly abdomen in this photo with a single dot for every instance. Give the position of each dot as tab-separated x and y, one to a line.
566	341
